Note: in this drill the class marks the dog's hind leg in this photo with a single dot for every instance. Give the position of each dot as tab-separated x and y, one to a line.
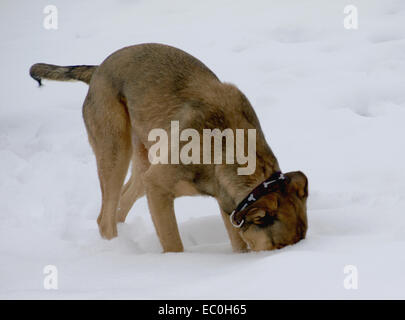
134	188
109	130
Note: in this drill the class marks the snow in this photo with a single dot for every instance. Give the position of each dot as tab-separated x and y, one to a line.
331	103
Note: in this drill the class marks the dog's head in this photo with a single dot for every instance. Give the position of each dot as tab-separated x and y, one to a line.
279	218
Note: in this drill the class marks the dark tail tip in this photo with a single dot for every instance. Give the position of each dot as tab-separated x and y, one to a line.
35	76
39	80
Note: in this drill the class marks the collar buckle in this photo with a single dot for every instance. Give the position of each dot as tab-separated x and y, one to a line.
233	220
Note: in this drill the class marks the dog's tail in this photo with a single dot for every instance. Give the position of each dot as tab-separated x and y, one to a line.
41	71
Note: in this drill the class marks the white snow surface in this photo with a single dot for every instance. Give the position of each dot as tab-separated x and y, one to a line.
331	102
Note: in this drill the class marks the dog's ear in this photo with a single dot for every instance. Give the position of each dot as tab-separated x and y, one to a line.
255	215
266	205
298	183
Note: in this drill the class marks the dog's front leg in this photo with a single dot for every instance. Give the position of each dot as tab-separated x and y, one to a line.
161	207
238	245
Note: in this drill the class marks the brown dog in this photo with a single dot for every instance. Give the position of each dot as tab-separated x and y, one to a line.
146	86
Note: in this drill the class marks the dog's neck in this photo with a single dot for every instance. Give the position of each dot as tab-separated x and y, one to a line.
233	188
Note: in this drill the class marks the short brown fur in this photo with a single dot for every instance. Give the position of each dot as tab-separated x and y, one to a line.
142	87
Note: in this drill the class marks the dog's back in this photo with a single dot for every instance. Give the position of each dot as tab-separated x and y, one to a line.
147	86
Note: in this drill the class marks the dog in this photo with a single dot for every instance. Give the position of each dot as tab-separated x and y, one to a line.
146	86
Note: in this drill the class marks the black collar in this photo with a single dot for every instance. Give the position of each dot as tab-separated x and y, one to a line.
258	192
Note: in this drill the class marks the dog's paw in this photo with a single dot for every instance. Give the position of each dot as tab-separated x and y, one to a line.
120	217
107	231
173	250
240	250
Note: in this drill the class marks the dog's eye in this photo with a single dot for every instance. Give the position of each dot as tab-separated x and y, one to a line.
268	219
